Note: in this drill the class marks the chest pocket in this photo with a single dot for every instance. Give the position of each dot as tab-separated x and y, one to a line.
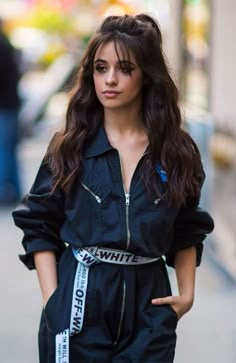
89	214
98	215
95	196
163	217
152	216
152	221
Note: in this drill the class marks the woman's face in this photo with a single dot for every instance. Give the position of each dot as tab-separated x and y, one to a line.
117	84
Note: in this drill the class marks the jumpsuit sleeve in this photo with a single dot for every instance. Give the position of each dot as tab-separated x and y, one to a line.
40	215
191	227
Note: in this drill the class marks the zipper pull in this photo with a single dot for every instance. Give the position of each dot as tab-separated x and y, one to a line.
127	199
157	201
98	199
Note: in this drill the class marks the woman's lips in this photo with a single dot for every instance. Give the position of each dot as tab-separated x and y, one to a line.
110	94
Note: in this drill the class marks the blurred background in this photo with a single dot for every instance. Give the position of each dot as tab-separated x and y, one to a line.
44	40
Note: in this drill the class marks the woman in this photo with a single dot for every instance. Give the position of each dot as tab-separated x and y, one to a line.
120	184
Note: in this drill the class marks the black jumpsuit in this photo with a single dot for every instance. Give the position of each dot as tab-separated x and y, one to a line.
120	323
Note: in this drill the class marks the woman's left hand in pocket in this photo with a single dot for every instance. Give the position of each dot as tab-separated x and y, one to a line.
180	304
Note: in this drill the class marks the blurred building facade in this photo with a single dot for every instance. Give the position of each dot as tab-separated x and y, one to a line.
223	60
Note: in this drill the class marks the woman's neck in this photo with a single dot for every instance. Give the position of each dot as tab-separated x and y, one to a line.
123	121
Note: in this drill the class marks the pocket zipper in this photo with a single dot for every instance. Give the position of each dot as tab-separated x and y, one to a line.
98	199
157	201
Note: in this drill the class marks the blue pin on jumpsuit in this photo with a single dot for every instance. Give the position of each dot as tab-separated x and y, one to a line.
113	314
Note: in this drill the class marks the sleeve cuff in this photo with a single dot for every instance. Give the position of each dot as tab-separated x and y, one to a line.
170	257
38	245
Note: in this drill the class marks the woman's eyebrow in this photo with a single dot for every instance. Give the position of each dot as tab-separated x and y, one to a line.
126	62
100	61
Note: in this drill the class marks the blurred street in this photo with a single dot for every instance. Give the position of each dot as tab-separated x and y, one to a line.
207	334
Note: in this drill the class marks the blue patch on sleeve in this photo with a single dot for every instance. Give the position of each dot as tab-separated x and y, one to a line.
162	173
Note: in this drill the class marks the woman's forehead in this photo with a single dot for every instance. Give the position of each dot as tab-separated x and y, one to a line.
111	51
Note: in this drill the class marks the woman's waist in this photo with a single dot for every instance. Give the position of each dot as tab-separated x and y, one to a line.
117	251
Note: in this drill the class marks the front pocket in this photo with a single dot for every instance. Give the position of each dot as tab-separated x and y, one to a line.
172	310
50	298
58	307
49	310
163	321
84	218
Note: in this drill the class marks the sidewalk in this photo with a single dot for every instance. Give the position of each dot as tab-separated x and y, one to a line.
223	206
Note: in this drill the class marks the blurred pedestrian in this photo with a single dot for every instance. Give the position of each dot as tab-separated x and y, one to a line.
120	184
9	126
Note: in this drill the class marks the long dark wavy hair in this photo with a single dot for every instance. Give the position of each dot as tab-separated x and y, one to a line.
169	144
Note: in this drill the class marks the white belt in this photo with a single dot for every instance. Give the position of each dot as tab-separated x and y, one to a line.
87	257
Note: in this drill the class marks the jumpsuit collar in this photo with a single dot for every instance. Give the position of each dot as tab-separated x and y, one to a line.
98	145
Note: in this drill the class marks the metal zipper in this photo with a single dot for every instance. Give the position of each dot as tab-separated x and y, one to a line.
127	199
121	314
98	199
127	203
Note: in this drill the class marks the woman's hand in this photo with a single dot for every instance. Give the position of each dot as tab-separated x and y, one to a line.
185	268
180	304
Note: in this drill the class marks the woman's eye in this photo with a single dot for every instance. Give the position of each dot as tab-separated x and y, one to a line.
126	69
100	69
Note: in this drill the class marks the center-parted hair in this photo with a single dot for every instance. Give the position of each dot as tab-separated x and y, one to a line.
169	144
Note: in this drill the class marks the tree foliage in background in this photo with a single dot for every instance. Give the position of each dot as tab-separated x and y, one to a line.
49	19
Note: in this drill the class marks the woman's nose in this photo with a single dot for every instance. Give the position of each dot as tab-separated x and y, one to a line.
111	78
